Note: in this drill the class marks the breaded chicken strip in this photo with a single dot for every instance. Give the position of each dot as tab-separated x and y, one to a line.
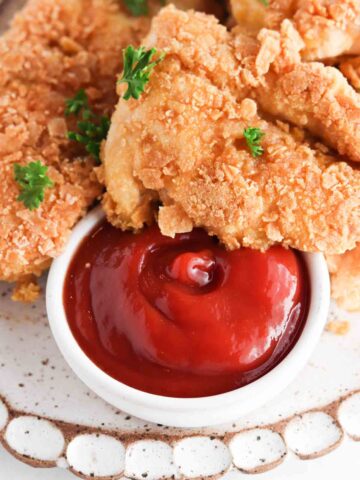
309	95
253	16
52	49
345	278
213	7
328	28
182	143
351	69
319	99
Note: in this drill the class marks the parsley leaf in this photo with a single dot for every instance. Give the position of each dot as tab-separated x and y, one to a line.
74	105
253	136
137	7
137	70
32	180
92	128
264	2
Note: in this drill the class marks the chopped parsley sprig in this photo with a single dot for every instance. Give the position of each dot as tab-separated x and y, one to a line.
137	69
33	181
264	2
92	129
253	136
80	102
137	8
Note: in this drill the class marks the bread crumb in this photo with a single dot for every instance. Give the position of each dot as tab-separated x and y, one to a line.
26	290
172	220
339	327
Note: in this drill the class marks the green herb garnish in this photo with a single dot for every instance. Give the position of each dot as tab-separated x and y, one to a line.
253	136
137	8
92	128
32	180
137	69
78	103
264	2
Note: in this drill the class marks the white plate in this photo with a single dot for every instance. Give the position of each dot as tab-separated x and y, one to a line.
50	418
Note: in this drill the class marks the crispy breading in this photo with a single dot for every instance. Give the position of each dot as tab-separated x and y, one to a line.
328	28
51	50
26	290
307	94
253	16
338	327
182	144
345	278
213	7
319	99
350	67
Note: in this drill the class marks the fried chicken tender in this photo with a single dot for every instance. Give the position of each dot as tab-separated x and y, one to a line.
213	7
253	16
351	69
309	95
328	28
52	49
345	278
182	144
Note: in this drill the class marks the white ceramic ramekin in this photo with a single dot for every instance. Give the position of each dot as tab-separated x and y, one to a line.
183	412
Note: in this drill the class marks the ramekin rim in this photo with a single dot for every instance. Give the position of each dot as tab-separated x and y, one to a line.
71	350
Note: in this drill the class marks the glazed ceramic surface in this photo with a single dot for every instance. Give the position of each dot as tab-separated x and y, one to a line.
49	418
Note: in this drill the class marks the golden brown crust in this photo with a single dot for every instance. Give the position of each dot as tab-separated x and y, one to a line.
309	95
212	7
184	140
253	16
328	28
26	290
200	42
345	278
338	327
52	50
173	219
319	99
351	69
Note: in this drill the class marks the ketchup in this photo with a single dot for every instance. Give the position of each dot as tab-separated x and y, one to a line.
183	317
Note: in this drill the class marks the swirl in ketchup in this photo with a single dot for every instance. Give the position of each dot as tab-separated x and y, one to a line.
183	317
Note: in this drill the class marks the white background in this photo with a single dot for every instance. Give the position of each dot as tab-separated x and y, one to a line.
342	463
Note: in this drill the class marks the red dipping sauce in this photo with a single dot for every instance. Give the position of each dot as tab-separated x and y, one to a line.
183	317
